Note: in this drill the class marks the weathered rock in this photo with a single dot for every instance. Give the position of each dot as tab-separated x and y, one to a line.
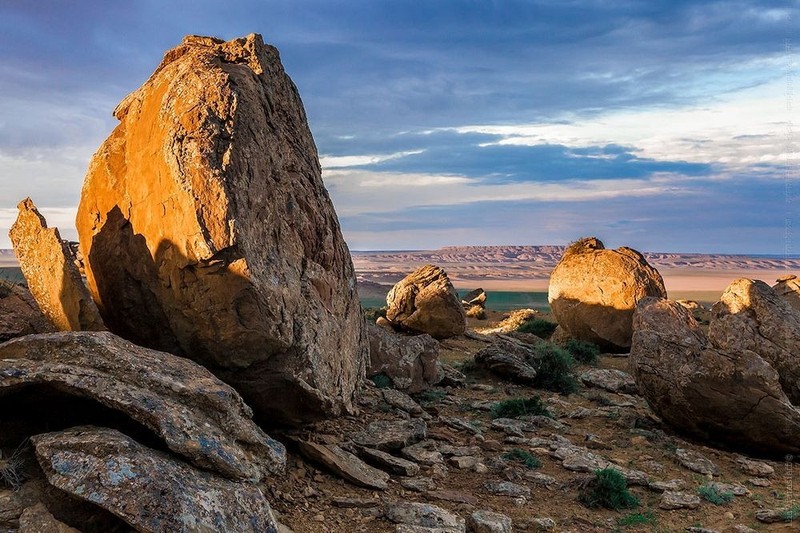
489	522
424	453
610	379
772	516
424	515
455	496
389	463
194	413
464	462
593	291
476	311
507	488
425	301
678	500
732	488
345	464
418	484
50	271
755	468
37	519
207	232
388	435
149	490
696	462
543	524
721	387
19	313
402	401
788	288
513	321
509	360
663	486
580	459
476	298
410	362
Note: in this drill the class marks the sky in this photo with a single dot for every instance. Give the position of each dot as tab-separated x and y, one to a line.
664	125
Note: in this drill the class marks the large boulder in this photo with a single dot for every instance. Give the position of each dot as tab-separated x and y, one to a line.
593	292
207	232
410	362
733	387
46	380
788	288
148	489
425	301
19	313
49	268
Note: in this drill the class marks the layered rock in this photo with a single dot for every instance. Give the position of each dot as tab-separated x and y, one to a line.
593	291
190	411
207	232
149	490
410	362
732	387
788	288
49	268
425	301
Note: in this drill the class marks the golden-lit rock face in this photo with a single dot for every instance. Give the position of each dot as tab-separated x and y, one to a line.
50	271
207	231
788	288
593	291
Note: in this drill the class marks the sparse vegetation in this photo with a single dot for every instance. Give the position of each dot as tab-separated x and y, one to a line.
637	519
538	326
11	468
517	407
6	287
790	514
608	489
430	396
583	352
382	381
372	313
521	456
712	494
554	367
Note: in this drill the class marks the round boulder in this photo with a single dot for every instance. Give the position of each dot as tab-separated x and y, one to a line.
425	301
593	292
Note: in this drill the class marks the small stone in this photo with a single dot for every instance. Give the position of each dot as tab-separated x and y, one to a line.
671	500
543	524
507	488
480	468
741	528
610	379
345	465
733	488
771	516
459	451
696	462
402	401
759	482
418	484
512	426
663	486
755	468
424	515
489	522
452	496
388	435
389	463
439	471
464	463
542	480
424	453
37	519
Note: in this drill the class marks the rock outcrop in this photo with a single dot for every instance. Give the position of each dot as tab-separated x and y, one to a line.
49	268
425	301
732	387
207	232
593	291
192	412
19	313
410	362
788	288
149	490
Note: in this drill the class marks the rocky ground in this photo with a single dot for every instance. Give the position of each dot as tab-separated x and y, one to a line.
464	464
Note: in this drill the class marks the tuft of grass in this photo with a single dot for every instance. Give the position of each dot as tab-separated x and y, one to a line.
554	369
637	519
12	468
382	381
713	495
790	514
430	396
521	456
582	351
538	326
609	490
517	407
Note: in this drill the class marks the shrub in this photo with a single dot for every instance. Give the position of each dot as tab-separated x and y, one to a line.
430	396
538	327
608	489
554	368
11	468
790	514
584	352
712	494
382	381
521	456
637	519
517	407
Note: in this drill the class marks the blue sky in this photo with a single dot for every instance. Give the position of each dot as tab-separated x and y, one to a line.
662	125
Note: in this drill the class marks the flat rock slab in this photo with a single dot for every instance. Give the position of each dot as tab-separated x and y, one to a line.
389	463
489	522
755	468
610	379
678	500
389	435
37	519
696	462
344	464
507	488
198	416
424	453
149	490
454	496
424	515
